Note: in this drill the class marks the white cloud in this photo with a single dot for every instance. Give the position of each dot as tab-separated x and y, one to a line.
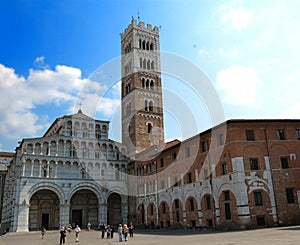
239	18
39	63
239	85
19	97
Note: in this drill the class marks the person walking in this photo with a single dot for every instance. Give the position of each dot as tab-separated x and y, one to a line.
43	232
131	230
120	232
126	230
77	230
103	229
62	238
89	226
69	229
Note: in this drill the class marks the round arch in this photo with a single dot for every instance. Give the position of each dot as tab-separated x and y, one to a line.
208	207
177	211
114	209
84	207
44	210
164	214
46	185
151	215
191	208
85	185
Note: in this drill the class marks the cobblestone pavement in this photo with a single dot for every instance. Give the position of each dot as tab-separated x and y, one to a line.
269	236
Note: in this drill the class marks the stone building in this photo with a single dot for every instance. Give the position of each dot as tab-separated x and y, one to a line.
5	160
72	174
142	110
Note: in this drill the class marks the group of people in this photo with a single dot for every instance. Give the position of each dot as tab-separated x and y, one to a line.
68	230
123	231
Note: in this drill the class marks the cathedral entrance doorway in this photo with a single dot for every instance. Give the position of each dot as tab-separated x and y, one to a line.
84	208
44	210
77	217
114	210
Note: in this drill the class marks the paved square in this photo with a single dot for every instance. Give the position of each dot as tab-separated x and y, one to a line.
270	236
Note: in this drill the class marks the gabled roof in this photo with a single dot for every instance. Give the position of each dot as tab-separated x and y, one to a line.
79	115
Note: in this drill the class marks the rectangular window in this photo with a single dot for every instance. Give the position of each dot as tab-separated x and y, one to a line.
151	210
226	195
298	134
284	162
174	157
290	195
164	208
204	146
250	135
162	184
188	152
192	204
253	163
258	198
176	203
189	178
208	204
161	162
224	168
221	139
227	210
280	134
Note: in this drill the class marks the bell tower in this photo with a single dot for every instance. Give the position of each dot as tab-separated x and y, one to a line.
142	111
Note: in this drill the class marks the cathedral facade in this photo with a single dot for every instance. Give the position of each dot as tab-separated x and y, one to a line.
72	174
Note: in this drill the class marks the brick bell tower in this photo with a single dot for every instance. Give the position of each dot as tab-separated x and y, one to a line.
142	112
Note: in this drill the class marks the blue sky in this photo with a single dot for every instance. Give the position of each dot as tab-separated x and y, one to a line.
249	50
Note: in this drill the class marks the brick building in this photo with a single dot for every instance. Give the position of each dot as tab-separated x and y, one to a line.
248	177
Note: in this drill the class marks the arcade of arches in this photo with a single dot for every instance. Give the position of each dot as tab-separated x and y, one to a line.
46	209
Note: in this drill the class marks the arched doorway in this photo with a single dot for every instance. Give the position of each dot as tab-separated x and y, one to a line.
140	216
44	210
164	214
84	208
114	209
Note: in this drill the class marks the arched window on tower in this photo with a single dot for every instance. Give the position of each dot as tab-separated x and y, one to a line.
152	65
149	127
151	46
143	82
148	65
141	63
147	84
146	105
150	106
147	46
144	44
151	85
144	63
140	43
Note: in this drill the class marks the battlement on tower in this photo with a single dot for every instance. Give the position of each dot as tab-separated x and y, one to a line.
140	25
